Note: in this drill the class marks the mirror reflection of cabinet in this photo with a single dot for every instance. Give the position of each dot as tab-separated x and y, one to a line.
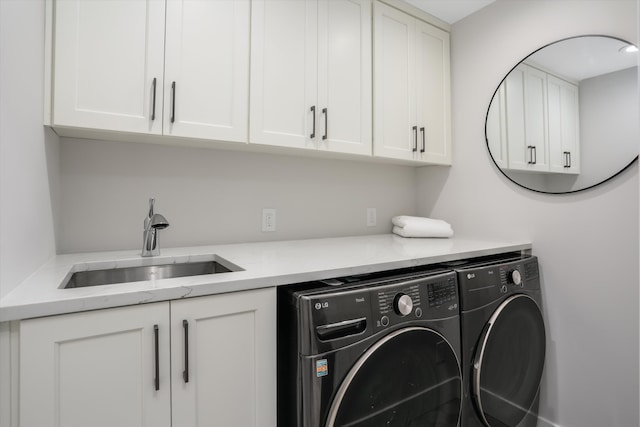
534	125
589	107
563	126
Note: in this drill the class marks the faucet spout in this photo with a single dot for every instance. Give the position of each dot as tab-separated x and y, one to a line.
153	223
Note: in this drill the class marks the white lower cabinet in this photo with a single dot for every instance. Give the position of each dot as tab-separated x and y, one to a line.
194	362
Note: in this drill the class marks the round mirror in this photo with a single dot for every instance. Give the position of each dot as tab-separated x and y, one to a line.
565	118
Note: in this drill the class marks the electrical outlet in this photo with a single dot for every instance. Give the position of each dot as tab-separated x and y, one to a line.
371	217
268	220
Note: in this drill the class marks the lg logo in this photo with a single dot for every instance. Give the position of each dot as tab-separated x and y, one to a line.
321	305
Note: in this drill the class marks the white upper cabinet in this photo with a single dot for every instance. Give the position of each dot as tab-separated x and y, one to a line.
311	74
496	129
526	93
344	75
541	117
207	69
412	88
563	106
113	71
283	72
433	91
108	65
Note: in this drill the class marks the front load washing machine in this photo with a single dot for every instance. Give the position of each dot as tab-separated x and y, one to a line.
503	341
370	351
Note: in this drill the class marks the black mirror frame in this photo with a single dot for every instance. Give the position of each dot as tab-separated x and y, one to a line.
494	95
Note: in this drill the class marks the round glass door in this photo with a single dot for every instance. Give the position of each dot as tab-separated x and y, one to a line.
508	362
411	377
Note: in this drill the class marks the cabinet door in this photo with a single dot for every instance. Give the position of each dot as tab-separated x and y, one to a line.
284	73
496	129
536	117
433	92
108	68
395	132
207	69
562	98
344	76
227	349
96	369
526	119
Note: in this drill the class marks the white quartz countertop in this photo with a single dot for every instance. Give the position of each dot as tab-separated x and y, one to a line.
264	264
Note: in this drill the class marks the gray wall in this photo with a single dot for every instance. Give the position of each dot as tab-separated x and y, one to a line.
216	196
587	242
28	152
608	118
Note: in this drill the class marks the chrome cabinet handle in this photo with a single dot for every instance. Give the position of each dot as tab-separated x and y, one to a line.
326	123
422	150
567	159
313	130
153	101
157	357
415	139
185	373
173	102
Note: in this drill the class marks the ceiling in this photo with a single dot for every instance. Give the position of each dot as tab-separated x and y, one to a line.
450	11
584	57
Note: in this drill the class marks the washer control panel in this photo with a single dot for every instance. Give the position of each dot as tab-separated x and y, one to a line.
431	298
483	283
331	317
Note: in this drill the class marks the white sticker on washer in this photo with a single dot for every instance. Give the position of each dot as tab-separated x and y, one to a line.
322	369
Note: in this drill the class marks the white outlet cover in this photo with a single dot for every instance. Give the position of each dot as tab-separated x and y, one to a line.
371	217
268	220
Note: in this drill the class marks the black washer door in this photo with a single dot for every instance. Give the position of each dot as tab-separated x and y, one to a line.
410	377
508	362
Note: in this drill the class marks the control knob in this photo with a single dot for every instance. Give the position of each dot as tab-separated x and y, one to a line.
514	277
403	304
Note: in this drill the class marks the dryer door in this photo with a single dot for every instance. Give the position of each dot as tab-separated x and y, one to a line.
410	377
508	362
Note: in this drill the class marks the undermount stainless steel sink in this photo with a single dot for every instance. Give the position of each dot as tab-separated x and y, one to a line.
110	276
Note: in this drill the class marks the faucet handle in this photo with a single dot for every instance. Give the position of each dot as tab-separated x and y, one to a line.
151	202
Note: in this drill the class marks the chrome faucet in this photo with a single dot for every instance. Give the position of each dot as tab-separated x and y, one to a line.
153	223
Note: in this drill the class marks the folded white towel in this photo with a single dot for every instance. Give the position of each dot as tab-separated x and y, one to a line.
413	226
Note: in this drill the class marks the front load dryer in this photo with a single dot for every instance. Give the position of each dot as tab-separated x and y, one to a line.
503	341
370	351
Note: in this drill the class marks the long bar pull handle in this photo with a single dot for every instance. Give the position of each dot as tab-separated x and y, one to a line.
173	102
326	123
569	155
185	373
153	99
157	351
415	138
423	149
313	130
